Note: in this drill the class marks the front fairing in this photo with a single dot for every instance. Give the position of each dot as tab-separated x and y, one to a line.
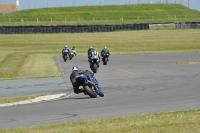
95	59
65	51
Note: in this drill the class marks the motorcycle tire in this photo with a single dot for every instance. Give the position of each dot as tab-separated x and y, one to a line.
90	92
94	68
65	58
71	56
105	61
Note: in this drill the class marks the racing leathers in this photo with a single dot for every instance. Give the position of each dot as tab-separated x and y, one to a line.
65	49
90	50
75	74
90	57
73	50
105	51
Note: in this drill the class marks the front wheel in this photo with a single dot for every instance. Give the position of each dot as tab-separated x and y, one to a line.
105	61
90	92
94	68
65	58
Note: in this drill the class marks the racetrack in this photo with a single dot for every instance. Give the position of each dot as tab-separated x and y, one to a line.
133	84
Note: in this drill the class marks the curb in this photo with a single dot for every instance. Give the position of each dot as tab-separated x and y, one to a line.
36	100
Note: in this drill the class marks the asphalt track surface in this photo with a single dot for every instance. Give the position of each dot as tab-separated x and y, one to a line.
24	87
133	85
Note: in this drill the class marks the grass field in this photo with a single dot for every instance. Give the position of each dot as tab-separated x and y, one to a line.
102	15
171	122
33	55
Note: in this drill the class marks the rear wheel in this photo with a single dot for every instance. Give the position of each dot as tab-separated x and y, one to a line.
90	92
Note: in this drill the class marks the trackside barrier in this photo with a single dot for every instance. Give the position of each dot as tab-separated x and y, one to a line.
162	26
95	28
187	25
192	25
70	29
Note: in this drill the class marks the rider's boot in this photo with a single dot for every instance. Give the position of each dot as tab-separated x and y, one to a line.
100	93
84	92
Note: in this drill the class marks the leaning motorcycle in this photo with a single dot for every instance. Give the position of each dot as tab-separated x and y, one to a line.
105	58
94	63
90	88
65	55
71	54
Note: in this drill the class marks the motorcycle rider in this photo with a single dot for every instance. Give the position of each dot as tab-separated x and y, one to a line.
76	72
73	49
90	57
65	48
106	51
90	50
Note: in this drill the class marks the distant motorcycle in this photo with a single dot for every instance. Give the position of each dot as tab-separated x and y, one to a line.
89	87
105	58
71	55
65	55
94	62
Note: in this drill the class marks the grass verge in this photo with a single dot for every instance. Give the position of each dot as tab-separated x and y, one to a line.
18	99
189	62
171	122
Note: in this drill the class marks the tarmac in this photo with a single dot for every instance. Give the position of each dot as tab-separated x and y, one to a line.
50	88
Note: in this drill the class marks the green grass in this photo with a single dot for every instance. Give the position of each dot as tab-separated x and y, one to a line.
17	99
189	62
33	55
172	122
102	15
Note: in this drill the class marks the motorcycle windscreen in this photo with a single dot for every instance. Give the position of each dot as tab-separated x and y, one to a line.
66	51
106	51
94	54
